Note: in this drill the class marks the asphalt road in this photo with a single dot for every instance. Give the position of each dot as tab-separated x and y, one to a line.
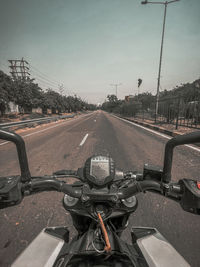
66	145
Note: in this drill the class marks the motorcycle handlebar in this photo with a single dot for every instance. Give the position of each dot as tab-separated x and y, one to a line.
139	186
45	184
11	193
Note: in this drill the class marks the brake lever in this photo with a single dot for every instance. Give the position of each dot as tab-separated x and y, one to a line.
65	172
68	173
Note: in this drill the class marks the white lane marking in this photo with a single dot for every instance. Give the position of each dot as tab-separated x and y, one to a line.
194	148
152	131
84	139
4	143
54	126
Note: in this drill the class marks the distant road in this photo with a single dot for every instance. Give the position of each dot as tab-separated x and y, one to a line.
67	145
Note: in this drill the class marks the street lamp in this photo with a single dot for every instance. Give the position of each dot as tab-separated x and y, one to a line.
161	48
116	85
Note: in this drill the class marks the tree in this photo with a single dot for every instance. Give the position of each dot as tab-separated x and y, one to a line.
139	82
6	91
53	100
112	98
111	104
146	100
27	94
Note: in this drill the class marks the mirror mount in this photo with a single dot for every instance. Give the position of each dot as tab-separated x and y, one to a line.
21	150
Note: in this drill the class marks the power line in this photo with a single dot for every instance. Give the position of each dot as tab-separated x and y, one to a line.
47	79
44	75
116	86
49	85
46	84
20	67
44	81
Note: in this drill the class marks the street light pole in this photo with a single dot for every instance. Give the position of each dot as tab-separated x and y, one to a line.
160	62
161	48
115	85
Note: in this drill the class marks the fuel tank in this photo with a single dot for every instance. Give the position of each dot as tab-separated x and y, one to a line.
148	245
156	250
44	249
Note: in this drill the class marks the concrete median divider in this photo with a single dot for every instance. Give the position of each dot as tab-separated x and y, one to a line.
34	122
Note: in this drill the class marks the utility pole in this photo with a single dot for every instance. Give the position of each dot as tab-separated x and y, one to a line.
61	89
161	48
116	85
19	69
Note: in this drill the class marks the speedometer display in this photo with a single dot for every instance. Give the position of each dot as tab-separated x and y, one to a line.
99	170
99	167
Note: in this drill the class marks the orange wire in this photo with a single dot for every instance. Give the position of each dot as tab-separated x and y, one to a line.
103	228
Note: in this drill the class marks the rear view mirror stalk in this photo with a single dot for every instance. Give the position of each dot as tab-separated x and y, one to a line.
21	150
190	138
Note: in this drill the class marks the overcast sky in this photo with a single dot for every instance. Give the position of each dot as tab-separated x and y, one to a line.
89	44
